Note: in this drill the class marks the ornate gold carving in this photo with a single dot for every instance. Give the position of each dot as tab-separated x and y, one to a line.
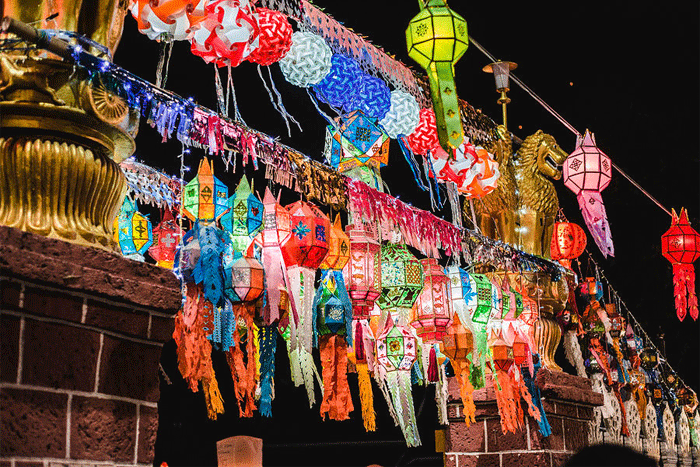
103	104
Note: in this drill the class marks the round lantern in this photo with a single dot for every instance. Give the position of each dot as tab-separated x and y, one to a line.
275	37
432	312
362	272
403	115
132	231
244	217
308	244
486	175
205	197
339	87
681	246
568	242
424	138
165	17
458	167
308	60
402	277
373	97
166	237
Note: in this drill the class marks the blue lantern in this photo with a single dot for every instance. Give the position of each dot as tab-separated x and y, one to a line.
132	231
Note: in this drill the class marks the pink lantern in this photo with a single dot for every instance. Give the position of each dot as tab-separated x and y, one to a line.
432	312
275	37
362	272
587	172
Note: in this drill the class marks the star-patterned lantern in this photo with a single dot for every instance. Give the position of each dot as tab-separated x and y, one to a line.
681	246
432	312
308	244
402	278
568	242
166	237
362	272
358	141
205	197
244	218
132	231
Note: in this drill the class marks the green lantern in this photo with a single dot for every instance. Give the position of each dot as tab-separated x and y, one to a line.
244	217
205	197
436	38
402	277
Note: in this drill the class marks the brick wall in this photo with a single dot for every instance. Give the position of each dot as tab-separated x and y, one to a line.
81	332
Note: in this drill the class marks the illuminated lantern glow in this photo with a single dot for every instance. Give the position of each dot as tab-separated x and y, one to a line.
486	175
338	247
246	278
132	231
165	17
275	37
402	278
681	246
309	242
244	218
373	97
424	138
458	345
362	273
432	312
436	39
403	115
339	87
587	172
166	237
568	242
205	197
358	142
308	60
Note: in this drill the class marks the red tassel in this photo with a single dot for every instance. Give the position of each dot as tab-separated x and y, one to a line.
684	291
432	366
359	342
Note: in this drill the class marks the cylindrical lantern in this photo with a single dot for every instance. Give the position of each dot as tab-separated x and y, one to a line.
568	242
166	237
681	246
132	231
244	218
402	278
432	312
205	197
362	273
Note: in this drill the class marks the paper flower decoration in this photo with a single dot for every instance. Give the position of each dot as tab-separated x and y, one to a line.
166	237
358	141
587	172
568	242
681	246
275	37
373	97
403	115
308	60
132	231
339	88
205	197
424	138
244	216
227	34
169	17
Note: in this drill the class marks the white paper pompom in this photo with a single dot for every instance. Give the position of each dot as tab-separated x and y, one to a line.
308	61
403	116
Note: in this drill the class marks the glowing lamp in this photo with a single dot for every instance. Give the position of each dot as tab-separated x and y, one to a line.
362	272
568	242
358	141
432	312
132	231
338	247
402	277
246	279
244	218
308	244
436	38
520	350
166	237
681	246
205	197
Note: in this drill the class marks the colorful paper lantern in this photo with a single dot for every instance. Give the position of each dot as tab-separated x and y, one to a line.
308	244
436	39
458	345
339	87
402	277
275	37
163	18
362	272
424	138
568	242
471	168
373	97
226	34
246	278
166	237
480	298
338	247
432	312
308	60
681	246
132	231
205	197
486	175
403	115
587	172
244	218
358	141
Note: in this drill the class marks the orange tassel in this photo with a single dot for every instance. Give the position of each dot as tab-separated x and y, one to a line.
337	403
243	366
508	403
466	391
625	429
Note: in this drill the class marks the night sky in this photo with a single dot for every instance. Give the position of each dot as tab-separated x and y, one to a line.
628	71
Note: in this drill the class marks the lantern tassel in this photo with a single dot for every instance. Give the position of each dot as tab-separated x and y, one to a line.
268	346
542	422
441	394
243	366
684	290
337	403
625	428
432	366
466	391
212	396
366	397
593	210
399	383
508	402
359	343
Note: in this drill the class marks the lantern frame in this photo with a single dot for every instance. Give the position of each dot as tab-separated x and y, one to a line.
362	272
402	277
432	311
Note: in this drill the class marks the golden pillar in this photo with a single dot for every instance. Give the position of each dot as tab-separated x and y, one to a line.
63	133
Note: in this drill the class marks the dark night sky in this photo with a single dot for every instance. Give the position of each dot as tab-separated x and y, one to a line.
628	71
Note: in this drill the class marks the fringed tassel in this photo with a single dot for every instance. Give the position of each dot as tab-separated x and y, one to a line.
359	342
684	291
243	365
337	403
432	366
399	383
572	350
212	396
508	402
441	396
625	430
544	426
301	288
268	346
466	390
384	387
366	397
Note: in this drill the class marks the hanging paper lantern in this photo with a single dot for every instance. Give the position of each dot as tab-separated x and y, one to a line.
244	217
205	197
339	87
275	37
402	277
568	242
246	278
424	138
458	167
681	246
587	172
436	38
373	97
166	237
480	298
458	345
338	247
649	358
363	270
432	312
486	175
132	231
308	60
168	18
308	244
403	115
358	142
227	34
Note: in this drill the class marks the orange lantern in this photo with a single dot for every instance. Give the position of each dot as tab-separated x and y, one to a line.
568	242
338	247
432	312
502	355
458	345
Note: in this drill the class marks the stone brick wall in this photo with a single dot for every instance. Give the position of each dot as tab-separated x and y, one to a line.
81	332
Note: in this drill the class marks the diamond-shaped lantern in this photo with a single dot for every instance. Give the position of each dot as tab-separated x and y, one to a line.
358	141
402	277
166	237
362	273
432	312
308	243
205	197
681	246
245	216
396	348
132	231
338	247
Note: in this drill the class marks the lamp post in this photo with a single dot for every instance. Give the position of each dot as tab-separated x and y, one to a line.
501	73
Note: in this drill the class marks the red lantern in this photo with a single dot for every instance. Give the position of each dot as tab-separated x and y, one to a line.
275	37
520	350
424	138
308	244
362	273
681	246
568	242
166	237
432	312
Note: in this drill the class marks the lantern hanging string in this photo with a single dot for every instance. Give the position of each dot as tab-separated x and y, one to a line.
568	125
